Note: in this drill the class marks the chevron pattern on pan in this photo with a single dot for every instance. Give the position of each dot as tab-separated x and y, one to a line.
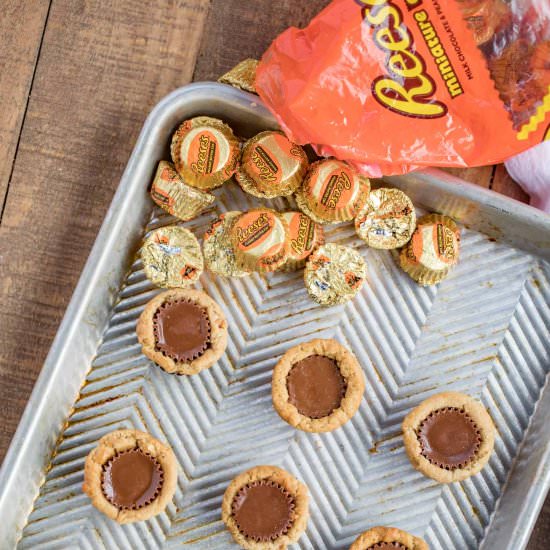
482	331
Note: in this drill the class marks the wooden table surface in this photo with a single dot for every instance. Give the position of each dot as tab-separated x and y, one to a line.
77	79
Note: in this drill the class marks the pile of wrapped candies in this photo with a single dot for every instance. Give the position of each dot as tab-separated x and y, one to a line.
206	154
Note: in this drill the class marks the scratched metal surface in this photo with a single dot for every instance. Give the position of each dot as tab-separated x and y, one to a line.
483	331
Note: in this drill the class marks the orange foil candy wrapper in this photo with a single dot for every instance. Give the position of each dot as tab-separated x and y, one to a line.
394	85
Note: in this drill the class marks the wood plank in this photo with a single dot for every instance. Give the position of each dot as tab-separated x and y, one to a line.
541	533
503	183
481	175
21	28
236	31
103	66
492	177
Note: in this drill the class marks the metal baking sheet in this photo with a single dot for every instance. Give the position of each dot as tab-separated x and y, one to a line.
484	331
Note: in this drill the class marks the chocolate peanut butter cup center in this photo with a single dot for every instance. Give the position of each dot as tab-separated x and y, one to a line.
387	546
263	510
316	386
449	438
182	330
132	479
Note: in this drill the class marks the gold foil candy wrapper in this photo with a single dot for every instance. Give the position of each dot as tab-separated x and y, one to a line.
305	236
219	255
387	219
334	274
332	192
432	251
485	17
205	152
242	76
260	240
174	196
172	257
271	166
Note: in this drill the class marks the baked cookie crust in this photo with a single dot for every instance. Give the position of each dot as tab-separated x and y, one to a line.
388	534
478	414
117	442
349	368
288	482
218	332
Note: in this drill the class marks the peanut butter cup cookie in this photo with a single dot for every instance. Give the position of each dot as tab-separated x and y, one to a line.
317	386
183	331
449	437
130	476
387	538
265	508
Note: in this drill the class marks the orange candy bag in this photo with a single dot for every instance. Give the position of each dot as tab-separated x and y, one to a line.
393	85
